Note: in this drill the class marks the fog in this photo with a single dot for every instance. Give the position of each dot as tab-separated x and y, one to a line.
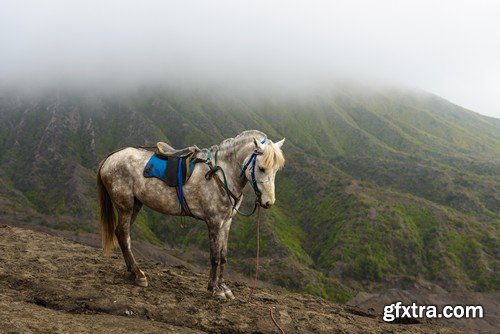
450	48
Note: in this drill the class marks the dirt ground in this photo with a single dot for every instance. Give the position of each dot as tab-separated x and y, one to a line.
52	285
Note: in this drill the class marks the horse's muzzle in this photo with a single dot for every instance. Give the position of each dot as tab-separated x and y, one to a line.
266	205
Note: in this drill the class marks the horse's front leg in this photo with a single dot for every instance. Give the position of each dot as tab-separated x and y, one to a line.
215	236
223	259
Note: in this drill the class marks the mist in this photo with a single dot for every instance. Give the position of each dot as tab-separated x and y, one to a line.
449	48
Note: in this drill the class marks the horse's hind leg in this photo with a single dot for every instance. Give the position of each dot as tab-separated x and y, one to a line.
126	217
136	209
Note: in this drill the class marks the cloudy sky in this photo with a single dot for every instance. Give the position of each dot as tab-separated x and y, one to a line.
450	48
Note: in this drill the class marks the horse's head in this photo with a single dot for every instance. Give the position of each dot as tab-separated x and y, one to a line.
261	168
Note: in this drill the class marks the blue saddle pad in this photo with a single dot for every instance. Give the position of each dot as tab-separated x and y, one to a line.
173	174
156	167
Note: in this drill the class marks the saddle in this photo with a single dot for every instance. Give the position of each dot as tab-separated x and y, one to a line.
167	151
172	166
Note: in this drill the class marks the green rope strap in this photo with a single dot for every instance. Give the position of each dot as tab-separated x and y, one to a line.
230	195
228	192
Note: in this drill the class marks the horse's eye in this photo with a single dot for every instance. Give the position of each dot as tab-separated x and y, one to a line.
262	169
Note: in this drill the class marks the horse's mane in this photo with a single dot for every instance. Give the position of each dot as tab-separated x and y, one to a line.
243	137
271	157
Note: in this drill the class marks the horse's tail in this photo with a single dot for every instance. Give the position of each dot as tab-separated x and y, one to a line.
108	218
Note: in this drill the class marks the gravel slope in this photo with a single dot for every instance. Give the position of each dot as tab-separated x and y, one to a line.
51	285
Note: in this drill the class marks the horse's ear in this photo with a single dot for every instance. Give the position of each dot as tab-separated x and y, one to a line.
259	145
280	143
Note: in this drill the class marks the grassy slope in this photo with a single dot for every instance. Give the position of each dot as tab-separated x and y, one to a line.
380	188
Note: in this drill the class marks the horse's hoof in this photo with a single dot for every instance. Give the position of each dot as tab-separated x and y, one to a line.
227	291
228	294
141	281
219	295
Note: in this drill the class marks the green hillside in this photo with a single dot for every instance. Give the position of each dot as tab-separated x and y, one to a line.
381	188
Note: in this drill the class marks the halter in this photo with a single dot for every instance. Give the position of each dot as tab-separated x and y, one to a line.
252	161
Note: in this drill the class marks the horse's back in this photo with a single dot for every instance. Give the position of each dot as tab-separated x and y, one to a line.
124	164
129	157
123	172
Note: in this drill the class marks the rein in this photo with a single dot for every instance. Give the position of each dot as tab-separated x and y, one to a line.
224	184
256	277
212	172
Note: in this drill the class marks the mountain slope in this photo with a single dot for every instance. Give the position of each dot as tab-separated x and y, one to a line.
49	284
380	189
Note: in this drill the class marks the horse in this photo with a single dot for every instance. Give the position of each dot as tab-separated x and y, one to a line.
250	156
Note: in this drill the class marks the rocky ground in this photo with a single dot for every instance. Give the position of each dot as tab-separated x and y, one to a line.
49	284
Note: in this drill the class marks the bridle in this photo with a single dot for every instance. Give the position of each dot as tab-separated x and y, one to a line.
223	184
252	160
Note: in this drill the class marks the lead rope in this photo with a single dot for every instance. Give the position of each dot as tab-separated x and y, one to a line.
259	305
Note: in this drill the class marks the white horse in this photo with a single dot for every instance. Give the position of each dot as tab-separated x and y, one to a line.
250	156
